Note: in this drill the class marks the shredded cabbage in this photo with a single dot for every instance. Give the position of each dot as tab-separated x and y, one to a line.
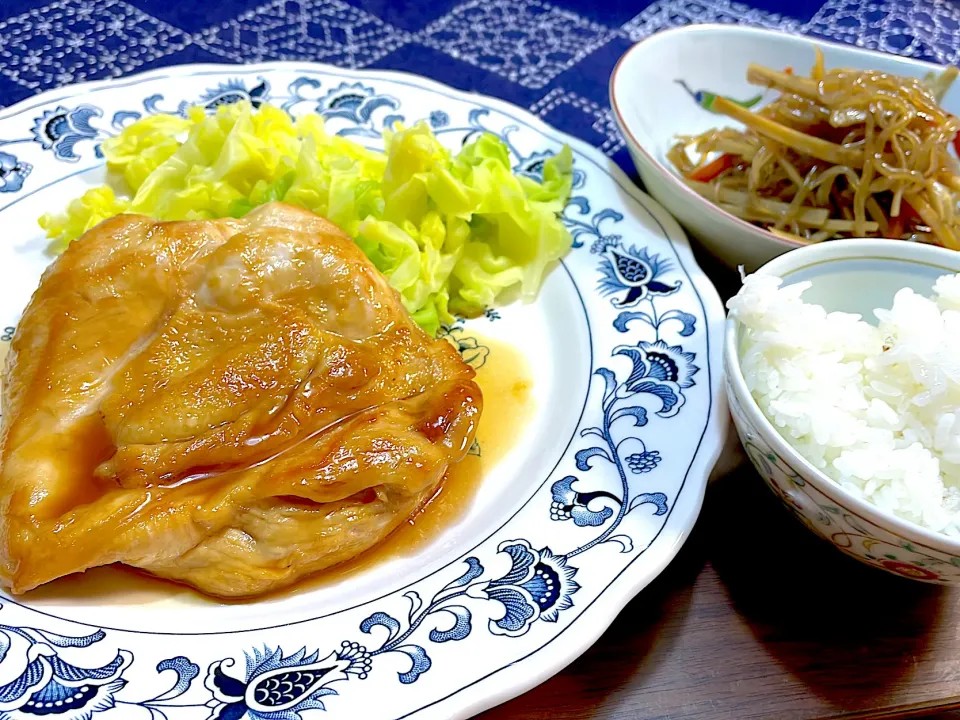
451	233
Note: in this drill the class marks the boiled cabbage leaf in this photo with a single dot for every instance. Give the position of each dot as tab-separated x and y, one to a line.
452	233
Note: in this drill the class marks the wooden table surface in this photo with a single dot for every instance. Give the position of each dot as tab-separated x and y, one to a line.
758	618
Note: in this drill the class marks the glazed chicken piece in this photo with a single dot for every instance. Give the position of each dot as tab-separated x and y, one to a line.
232	404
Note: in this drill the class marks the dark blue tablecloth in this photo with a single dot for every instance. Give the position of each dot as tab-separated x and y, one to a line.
552	58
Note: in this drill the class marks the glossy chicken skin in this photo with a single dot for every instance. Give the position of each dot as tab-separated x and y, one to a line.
232	404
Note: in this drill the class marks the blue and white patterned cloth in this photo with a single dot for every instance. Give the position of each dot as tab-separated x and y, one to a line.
551	57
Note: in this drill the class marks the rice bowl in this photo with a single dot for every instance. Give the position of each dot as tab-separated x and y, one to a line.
872	407
852	277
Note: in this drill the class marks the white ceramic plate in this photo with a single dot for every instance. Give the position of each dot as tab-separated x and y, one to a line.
592	501
657	91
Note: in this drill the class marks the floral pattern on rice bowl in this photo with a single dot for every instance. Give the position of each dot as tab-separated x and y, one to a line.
847	530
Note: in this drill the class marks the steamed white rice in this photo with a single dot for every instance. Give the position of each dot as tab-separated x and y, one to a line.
876	408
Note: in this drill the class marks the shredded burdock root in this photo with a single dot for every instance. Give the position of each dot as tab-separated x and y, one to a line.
842	153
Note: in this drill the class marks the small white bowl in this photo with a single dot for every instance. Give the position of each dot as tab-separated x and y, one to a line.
851	276
651	107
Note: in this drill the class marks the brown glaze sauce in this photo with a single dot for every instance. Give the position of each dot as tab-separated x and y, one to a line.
506	381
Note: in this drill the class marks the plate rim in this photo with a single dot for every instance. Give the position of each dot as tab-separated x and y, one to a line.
629	581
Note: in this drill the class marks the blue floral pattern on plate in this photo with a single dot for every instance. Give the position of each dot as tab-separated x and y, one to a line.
12	173
61	129
613	494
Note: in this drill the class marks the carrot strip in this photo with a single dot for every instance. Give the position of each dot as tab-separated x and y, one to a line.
898	225
895	228
706	173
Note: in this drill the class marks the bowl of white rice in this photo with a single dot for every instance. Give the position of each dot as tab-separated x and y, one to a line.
843	375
